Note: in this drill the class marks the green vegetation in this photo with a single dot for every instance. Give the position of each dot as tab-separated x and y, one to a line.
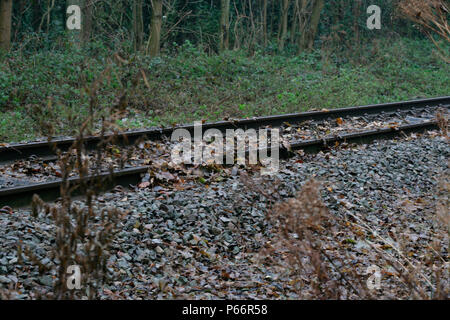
189	84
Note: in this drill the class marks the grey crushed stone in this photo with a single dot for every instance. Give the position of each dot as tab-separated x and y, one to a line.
226	222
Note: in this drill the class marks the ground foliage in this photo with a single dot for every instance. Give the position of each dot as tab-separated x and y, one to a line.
190	84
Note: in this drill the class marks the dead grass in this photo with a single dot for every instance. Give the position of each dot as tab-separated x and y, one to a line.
432	15
84	232
317	249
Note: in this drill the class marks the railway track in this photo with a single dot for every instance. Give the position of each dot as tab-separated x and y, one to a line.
373	122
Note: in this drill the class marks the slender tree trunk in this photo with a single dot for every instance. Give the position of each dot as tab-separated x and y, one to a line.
356	13
271	17
252	27
5	24
36	16
265	23
294	22
303	24
308	20
315	18
87	16
138	24
284	24
280	24
155	29
224	25
20	17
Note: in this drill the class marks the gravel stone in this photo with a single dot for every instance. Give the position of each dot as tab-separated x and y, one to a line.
199	240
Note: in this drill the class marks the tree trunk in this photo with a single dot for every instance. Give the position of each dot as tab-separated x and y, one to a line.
356	13
272	17
265	22
225	25
138	24
315	18
155	32
20	18
308	19
303	23
294	22
5	24
284	24
36	16
87	16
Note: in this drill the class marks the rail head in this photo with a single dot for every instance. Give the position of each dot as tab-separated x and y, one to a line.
11	152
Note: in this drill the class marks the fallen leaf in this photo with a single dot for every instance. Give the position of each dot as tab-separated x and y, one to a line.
144	185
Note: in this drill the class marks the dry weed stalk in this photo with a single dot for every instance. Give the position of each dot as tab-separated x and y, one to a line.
442	120
300	225
83	232
443	204
443	220
306	243
432	15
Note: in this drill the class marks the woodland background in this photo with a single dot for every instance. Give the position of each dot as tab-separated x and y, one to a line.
172	61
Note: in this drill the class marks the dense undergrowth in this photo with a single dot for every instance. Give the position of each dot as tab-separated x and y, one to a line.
188	84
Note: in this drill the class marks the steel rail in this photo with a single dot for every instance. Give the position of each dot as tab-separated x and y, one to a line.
22	196
49	191
18	151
